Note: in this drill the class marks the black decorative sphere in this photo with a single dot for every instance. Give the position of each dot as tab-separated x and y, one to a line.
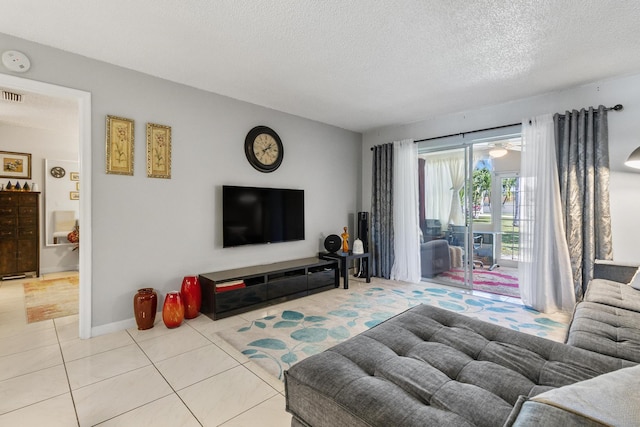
332	243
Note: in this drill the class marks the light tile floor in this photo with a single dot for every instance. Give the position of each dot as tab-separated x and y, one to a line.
185	376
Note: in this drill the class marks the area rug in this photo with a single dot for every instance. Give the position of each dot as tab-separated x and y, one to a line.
495	282
278	341
50	299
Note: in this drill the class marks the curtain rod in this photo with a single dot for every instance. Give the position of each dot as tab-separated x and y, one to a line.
461	133
617	107
464	133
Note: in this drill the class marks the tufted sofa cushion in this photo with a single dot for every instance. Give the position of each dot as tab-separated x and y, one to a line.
607	330
615	294
429	366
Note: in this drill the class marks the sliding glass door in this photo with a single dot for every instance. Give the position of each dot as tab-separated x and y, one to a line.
469	212
444	212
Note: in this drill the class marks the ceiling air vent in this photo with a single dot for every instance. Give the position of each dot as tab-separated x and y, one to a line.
11	96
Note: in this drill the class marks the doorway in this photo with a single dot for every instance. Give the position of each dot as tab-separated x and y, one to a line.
507	218
83	100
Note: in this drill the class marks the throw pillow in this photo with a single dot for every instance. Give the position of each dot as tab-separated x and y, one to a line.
610	399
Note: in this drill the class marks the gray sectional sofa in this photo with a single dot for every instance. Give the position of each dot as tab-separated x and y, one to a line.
432	367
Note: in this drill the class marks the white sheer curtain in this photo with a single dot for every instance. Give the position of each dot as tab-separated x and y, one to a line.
444	177
545	269
437	188
456	169
406	226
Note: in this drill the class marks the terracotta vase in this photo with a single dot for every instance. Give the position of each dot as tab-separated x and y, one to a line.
145	305
173	310
191	296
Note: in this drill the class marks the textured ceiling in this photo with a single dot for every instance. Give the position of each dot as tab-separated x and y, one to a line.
358	64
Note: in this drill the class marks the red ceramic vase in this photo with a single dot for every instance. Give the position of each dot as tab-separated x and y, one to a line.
191	296
145	305
173	310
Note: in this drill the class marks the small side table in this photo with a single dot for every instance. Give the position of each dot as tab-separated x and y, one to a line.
344	258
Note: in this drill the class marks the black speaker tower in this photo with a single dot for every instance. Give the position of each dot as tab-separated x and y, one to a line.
363	234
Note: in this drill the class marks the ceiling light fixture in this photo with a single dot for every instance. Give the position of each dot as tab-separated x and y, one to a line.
498	151
634	159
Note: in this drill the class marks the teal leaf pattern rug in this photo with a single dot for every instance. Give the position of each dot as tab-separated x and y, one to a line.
278	341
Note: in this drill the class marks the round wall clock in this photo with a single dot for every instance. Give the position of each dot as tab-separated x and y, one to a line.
264	149
57	172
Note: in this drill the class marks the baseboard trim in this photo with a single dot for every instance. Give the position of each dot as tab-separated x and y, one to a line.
118	326
113	327
50	270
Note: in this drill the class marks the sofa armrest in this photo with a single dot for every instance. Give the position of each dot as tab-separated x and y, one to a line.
615	272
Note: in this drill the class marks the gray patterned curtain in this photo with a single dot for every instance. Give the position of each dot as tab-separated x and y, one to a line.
582	144
382	255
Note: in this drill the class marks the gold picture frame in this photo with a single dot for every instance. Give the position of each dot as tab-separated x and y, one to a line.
74	195
74	176
120	141
158	151
15	165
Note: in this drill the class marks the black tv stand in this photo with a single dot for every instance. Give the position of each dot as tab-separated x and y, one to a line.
266	285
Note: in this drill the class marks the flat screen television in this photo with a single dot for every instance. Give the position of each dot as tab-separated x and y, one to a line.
252	215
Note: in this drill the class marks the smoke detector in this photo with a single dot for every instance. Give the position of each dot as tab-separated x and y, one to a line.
16	61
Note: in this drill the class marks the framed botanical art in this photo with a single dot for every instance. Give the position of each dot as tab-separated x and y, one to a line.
119	145
158	151
15	165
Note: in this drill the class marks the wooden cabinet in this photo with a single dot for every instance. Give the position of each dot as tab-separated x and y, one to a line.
19	234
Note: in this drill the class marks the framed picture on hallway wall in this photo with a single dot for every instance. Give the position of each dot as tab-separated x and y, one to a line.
158	151
15	165
119	145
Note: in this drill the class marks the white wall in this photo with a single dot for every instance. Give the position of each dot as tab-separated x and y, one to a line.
43	144
624	137
151	232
